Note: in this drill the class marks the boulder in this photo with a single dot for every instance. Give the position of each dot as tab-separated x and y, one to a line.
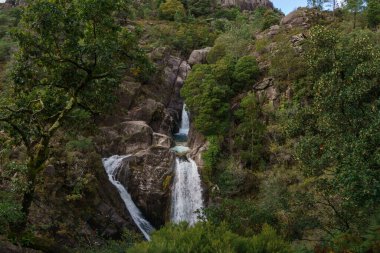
162	140
273	30
297	18
199	56
124	138
147	176
147	111
264	84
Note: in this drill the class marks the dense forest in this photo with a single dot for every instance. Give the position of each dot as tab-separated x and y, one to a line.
280	153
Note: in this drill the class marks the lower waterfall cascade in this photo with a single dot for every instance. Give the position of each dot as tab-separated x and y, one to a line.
187	199
112	166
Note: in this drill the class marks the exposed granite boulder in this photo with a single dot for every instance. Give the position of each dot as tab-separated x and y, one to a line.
162	140
148	111
264	84
124	138
297	18
147	176
199	56
198	144
77	202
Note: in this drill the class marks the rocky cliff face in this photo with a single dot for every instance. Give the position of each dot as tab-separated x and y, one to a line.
246	4
141	126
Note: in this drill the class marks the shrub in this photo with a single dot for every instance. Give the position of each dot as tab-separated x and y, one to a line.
170	9
246	72
207	238
200	7
207	100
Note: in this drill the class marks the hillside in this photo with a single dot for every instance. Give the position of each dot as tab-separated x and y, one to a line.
193	126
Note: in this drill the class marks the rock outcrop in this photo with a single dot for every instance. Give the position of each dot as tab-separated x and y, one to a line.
147	176
78	204
199	56
141	126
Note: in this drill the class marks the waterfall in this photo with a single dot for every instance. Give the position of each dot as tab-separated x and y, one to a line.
187	190
185	123
112	166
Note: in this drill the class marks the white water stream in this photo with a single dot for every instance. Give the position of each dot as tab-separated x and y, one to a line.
187	199
187	202
112	166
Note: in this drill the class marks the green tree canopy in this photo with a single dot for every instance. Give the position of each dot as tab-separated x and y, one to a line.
338	130
70	57
171	8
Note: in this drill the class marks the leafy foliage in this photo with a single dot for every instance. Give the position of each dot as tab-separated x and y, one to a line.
246	72
204	237
200	7
250	132
373	13
171	8
70	59
206	99
337	129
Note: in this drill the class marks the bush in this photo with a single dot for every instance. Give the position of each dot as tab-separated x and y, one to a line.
207	99
207	238
228	13
211	155
250	132
170	9
200	7
246	72
10	212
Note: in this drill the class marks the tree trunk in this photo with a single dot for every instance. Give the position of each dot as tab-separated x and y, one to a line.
28	196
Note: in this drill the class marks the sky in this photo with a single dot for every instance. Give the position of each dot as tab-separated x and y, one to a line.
288	5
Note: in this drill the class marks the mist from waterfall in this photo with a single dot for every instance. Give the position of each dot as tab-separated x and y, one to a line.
187	190
112	166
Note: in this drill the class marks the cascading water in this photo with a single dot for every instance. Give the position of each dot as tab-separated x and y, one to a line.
185	123
112	166
187	190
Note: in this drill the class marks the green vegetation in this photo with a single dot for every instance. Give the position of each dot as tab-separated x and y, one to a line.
291	117
207	238
70	55
171	10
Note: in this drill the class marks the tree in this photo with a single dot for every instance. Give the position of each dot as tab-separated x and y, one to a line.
354	6
171	8
200	7
338	124
246	72
373	13
316	3
250	132
68	62
207	100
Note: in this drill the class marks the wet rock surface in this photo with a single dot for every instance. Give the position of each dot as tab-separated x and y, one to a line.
147	176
